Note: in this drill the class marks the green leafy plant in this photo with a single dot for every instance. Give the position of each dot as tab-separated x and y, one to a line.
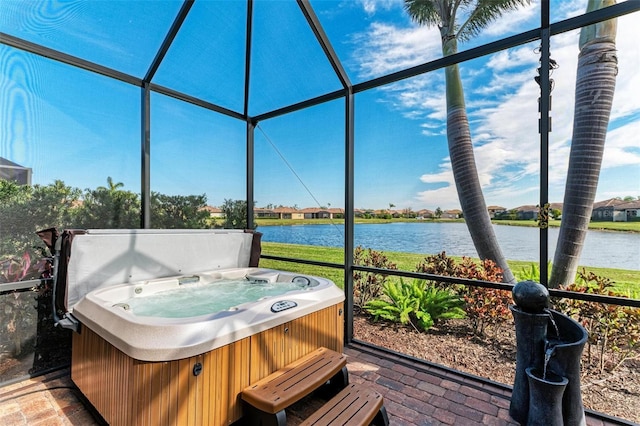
485	307
397	307
415	303
440	304
532	273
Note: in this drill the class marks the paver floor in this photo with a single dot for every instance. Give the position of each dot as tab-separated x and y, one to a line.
415	394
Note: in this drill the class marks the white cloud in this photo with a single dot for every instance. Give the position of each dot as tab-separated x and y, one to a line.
513	58
519	18
371	6
445	176
568	9
502	103
385	48
622	147
444	198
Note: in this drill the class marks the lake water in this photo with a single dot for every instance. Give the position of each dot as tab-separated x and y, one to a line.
619	250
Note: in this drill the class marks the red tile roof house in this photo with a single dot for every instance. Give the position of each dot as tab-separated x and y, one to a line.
451	214
289	213
317	213
261	213
214	211
424	214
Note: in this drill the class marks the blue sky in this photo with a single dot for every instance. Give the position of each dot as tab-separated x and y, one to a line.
71	125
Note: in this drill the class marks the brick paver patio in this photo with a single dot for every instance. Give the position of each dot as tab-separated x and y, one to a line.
416	394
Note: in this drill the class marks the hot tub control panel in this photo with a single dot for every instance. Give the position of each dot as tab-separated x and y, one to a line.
283	305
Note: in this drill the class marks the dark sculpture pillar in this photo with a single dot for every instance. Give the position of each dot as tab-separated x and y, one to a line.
548	350
531	333
565	361
545	398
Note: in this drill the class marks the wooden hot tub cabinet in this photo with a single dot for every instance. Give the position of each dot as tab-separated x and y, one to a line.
199	390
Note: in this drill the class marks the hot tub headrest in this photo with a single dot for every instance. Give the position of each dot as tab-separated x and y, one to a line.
92	259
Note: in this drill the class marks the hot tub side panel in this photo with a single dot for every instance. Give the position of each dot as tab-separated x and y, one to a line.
127	391
274	348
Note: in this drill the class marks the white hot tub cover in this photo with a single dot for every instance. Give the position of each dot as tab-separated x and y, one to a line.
98	258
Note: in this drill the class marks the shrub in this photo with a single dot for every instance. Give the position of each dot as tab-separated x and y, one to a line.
484	306
415	303
612	329
235	214
487	307
367	286
439	264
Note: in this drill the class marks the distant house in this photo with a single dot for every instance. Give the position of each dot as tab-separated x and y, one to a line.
527	212
381	213
604	211
315	213
262	213
451	214
496	211
336	213
556	206
424	214
214	212
627	212
14	172
298	214
289	213
530	212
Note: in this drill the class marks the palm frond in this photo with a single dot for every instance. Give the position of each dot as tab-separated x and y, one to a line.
483	13
424	12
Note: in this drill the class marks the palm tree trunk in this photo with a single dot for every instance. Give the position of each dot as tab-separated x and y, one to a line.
465	173
595	87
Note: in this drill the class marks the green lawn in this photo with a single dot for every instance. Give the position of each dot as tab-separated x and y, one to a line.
626	282
606	226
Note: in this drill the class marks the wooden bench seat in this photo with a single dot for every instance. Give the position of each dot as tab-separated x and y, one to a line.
355	405
268	398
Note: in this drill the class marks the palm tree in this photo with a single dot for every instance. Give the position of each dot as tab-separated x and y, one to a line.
444	14
112	187
595	86
115	199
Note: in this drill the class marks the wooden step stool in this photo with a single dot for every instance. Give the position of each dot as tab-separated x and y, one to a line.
355	405
267	399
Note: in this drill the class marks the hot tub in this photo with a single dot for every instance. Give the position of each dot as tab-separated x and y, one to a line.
178	317
157	341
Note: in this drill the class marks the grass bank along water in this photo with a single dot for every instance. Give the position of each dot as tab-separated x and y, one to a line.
603	250
518	243
627	282
603	226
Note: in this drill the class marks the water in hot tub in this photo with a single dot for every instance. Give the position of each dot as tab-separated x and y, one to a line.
200	299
